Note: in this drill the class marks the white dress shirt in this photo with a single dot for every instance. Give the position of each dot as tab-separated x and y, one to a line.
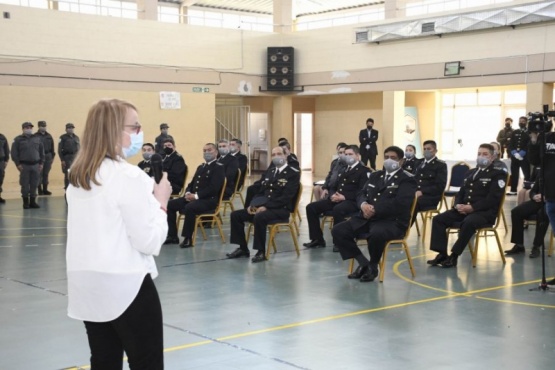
113	232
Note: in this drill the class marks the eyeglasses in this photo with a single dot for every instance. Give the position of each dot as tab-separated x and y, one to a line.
136	128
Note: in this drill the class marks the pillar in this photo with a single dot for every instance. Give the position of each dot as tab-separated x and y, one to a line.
282	120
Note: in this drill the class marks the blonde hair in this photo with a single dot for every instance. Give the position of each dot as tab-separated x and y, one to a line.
101	139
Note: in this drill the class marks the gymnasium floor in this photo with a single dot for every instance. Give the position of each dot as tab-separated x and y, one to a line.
290	312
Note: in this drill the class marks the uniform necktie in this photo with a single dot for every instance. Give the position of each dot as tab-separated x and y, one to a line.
348	169
387	177
423	164
475	175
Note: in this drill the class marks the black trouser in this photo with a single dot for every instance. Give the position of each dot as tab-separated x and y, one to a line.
525	211
367	156
516	165
47	165
68	159
191	210
138	332
468	226
29	179
378	233
251	192
2	173
260	222
339	211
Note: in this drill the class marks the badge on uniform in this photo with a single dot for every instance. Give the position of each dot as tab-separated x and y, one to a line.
501	184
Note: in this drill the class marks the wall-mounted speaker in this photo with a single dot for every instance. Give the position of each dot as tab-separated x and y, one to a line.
281	69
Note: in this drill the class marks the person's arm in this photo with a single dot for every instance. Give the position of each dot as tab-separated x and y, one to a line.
143	215
288	193
496	190
389	207
15	153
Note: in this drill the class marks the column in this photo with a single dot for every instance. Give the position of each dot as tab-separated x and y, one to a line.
283	16
392	126
395	8
147	9
282	121
538	94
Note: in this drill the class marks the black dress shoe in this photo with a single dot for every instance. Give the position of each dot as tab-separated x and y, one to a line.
171	240
335	248
370	275
186	243
450	261
357	274
316	244
535	252
238	253
259	257
436	261
2	200
516	249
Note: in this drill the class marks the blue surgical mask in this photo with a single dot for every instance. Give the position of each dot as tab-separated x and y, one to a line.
482	162
390	165
136	144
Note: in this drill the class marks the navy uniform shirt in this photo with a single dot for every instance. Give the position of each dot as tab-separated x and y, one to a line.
4	149
47	142
483	191
351	181
392	200
431	178
175	166
68	145
280	189
231	165
519	140
207	181
27	149
410	165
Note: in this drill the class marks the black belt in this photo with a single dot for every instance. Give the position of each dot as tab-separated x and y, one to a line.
29	162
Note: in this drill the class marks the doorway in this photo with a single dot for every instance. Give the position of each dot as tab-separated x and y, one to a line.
302	127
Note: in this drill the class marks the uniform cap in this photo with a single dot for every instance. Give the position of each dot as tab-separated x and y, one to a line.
26	124
164	125
70	125
42	123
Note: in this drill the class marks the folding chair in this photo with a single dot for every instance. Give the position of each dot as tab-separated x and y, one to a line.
182	192
404	247
281	225
456	179
427	215
229	202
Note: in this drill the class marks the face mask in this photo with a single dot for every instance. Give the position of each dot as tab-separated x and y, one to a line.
42	129
507	125
146	156
278	161
28	131
136	144
390	165
350	160
409	155
428	155
168	151
482	162
223	151
369	127
233	149
70	131
522	125
495	153
164	131
208	157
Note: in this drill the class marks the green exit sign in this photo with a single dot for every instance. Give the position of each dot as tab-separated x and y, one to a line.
198	89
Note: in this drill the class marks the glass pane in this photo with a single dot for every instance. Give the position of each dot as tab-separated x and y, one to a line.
448	100
489	98
515	97
447	118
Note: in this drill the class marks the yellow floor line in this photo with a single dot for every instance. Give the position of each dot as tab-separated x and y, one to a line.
516	302
36	218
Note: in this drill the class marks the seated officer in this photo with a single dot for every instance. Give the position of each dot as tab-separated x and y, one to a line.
384	204
202	195
498	164
174	164
411	163
476	205
523	212
431	178
145	165
342	197
292	159
274	201
231	164
322	191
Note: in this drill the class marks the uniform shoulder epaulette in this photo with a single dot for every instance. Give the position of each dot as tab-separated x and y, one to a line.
440	160
219	164
408	173
294	169
178	155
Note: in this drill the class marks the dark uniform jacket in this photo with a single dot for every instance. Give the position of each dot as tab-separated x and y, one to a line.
175	166
410	165
365	138
27	150
336	166
207	181
484	192
392	200
504	136
231	165
431	180
293	161
47	142
519	142
147	167
280	190
4	149
242	160
68	146
349	183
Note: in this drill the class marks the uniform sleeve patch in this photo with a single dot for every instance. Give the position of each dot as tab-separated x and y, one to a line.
501	183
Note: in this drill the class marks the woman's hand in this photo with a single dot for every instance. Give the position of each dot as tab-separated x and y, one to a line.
163	190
